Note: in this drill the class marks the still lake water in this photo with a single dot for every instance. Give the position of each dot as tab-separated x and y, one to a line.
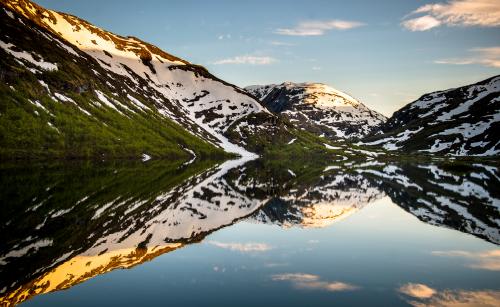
292	234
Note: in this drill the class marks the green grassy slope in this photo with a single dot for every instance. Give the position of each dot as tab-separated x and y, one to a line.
35	125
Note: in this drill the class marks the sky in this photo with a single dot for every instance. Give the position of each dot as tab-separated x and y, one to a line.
386	53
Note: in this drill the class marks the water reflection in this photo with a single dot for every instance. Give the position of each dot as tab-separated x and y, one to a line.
64	225
313	282
457	195
423	295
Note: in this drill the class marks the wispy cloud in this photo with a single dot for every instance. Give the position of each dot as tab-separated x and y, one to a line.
242	247
480	56
487	260
313	282
222	36
316	28
276	264
246	59
483	13
423	295
278	43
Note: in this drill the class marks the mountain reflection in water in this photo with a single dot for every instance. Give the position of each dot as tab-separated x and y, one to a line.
63	225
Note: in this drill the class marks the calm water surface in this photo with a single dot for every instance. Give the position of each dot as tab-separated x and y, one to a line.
246	234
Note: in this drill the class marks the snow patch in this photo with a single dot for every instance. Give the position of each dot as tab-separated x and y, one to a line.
28	57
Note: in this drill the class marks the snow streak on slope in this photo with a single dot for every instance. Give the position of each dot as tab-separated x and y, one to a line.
26	56
319	108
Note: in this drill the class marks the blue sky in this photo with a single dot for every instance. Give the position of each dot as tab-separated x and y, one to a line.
385	53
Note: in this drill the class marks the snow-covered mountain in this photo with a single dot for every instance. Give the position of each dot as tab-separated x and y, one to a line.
124	75
319	108
463	121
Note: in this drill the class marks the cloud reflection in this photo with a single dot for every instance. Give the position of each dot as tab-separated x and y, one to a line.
242	247
417	290
313	282
486	260
423	295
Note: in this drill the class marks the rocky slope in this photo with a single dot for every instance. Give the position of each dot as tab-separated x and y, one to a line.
319	109
463	121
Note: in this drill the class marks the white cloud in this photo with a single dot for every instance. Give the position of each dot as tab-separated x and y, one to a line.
242	247
483	13
246	59
315	28
421	23
316	68
487	260
480	56
313	282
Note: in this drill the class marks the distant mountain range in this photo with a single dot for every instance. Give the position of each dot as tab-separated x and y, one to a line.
461	122
72	90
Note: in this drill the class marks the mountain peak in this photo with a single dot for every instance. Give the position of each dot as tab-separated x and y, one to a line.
319	108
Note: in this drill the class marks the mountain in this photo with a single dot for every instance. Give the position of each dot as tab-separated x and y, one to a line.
319	109
70	89
463	121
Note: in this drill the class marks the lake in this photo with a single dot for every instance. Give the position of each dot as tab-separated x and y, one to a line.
246	233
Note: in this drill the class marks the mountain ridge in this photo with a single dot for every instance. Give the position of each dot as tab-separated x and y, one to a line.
462	121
